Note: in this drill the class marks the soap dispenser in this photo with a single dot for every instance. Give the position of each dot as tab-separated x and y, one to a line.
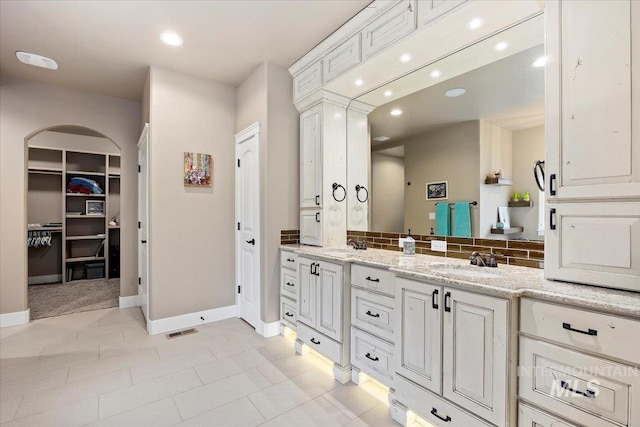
409	244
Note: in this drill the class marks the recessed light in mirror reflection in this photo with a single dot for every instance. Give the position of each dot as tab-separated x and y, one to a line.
396	112
435	74
359	82
475	23
452	93
406	58
388	93
501	46
540	62
171	38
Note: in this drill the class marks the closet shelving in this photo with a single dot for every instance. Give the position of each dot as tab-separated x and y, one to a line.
82	239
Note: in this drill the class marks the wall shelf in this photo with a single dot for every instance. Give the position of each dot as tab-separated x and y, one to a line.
84	195
89	237
85	216
498	181
85	259
521	204
87	173
52	229
46	171
510	230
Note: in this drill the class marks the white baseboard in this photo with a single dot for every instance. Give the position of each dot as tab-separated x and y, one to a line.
168	324
268	330
130	301
16	318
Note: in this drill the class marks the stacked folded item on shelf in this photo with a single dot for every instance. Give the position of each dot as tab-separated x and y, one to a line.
84	185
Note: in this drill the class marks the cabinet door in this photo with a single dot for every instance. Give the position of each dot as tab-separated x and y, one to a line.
329	302
396	23
418	333
475	361
307	81
594	243
342	58
428	10
311	157
311	227
306	292
593	102
531	417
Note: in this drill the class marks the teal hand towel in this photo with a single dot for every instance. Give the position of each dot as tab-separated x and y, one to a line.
443	219
462	219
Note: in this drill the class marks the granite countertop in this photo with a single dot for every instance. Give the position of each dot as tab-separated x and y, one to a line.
506	280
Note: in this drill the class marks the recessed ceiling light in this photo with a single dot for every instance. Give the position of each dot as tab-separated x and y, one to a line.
381	138
406	58
37	60
501	46
475	23
540	62
436	74
388	93
359	82
172	39
452	93
396	112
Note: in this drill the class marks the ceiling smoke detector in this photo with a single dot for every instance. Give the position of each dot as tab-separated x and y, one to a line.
37	60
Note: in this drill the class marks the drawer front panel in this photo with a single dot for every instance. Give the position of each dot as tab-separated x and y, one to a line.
585	389
289	260
320	343
289	284
373	313
433	408
288	314
374	279
596	332
531	417
372	355
342	58
307	81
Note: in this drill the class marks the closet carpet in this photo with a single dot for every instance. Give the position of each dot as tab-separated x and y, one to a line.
73	297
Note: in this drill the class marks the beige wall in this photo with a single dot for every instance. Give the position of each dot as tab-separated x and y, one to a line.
446	154
27	107
265	96
495	154
387	193
191	240
528	146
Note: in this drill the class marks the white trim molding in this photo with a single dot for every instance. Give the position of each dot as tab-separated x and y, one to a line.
130	301
269	330
16	318
189	320
248	132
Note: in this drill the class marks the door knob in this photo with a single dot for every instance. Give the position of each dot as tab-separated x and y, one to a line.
143	241
251	242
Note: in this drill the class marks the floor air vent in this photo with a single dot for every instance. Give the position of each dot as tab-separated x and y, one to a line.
181	333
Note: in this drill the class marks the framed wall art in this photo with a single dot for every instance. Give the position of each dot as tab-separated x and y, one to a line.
437	190
198	170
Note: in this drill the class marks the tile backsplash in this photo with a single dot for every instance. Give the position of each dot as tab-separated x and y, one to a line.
513	252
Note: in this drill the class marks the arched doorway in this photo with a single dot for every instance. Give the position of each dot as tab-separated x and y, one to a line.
73	216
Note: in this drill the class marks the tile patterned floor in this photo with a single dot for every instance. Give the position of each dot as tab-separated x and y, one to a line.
100	368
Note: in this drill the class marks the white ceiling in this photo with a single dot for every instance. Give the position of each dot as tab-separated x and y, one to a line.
106	46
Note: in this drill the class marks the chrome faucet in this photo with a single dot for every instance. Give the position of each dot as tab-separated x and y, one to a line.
357	245
480	260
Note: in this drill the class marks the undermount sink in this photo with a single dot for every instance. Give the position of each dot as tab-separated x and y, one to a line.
339	251
467	270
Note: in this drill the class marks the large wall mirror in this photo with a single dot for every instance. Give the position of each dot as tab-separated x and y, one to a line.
439	132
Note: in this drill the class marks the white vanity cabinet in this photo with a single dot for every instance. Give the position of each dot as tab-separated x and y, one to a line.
579	365
288	289
593	142
323	145
453	352
323	312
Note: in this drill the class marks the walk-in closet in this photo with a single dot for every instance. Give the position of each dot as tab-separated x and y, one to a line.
73	217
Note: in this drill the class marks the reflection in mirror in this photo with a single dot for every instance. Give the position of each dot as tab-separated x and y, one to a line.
439	132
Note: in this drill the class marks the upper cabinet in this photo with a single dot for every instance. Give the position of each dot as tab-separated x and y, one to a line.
393	25
593	105
307	81
342	58
428	10
311	158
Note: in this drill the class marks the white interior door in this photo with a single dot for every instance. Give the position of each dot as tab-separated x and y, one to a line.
248	224
143	221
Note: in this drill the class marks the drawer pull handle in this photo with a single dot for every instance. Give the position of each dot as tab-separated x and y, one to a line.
588	393
313	340
568	327
372	280
288	314
368	356
434	301
434	411
290	284
290	260
369	313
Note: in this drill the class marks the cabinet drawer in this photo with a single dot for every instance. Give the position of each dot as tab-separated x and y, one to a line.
531	417
289	260
342	58
320	343
374	279
585	389
372	355
610	335
396	23
289	284
433	408
373	313
288	313
307	81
